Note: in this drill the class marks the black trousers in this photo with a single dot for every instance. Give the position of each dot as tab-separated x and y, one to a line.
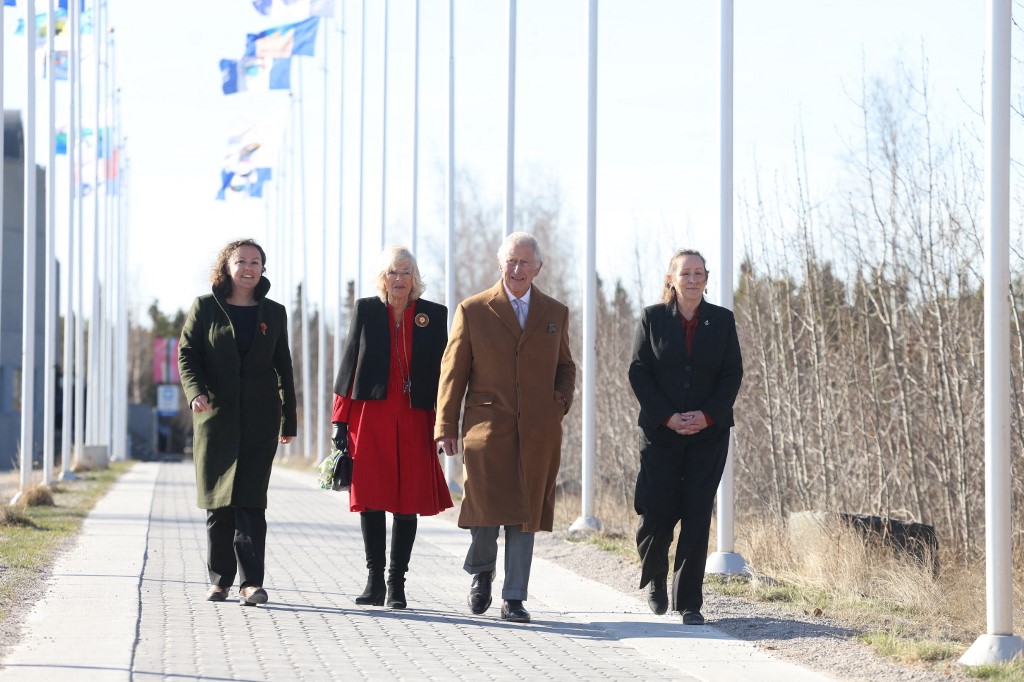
236	539
677	484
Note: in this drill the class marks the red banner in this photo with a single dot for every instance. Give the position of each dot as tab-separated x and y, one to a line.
165	360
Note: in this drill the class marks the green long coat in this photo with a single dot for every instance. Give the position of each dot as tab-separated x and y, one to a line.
252	400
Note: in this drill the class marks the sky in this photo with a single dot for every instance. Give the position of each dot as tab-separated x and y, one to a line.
799	65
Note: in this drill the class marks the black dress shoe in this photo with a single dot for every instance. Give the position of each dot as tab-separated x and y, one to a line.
216	593
479	598
512	610
657	596
692	618
252	595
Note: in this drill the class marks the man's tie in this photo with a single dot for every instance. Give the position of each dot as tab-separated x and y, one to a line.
520	308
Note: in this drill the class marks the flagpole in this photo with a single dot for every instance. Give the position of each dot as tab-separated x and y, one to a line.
50	325
362	153
726	560
510	123
28	311
71	319
450	463
307	397
341	195
322	418
384	139
93	409
588	521
77	183
415	135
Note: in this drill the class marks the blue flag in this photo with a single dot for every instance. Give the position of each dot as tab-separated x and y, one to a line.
284	41
10	3
255	74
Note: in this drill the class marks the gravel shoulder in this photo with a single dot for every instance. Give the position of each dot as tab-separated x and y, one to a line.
817	643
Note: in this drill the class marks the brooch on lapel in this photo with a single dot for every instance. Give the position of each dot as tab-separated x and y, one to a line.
263	328
551	327
421	320
707	322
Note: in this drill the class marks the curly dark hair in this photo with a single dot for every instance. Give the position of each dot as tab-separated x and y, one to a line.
220	279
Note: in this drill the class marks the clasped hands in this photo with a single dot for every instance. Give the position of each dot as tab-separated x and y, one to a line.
687	423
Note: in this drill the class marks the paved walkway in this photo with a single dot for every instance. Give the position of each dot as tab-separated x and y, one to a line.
127	604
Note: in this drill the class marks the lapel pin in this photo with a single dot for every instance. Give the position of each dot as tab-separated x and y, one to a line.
707	322
551	327
421	320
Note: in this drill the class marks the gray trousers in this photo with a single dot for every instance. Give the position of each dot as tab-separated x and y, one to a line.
483	556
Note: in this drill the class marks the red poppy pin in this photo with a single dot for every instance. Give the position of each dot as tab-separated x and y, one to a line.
421	320
263	328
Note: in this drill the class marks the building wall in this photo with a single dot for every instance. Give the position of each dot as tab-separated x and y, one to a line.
12	282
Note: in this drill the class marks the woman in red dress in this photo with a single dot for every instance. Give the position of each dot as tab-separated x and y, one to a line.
384	409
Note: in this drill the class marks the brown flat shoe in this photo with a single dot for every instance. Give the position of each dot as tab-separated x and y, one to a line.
252	595
216	593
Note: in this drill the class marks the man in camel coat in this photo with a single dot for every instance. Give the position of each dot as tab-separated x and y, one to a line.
508	357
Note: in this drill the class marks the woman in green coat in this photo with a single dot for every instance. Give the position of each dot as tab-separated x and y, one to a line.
236	370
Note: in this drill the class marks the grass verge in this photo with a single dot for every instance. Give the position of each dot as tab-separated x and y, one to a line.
902	611
32	537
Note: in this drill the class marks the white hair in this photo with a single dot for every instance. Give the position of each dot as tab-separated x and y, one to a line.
515	239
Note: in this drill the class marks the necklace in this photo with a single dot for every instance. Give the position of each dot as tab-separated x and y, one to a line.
405	371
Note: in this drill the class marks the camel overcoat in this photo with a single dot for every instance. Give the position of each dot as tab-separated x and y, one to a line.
512	426
252	401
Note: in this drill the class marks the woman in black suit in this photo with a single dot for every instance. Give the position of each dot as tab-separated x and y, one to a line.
384	407
685	371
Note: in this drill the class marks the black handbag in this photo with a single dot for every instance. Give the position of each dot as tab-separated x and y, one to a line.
336	470
342	479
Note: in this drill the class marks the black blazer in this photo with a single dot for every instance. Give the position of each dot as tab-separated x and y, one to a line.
665	381
365	364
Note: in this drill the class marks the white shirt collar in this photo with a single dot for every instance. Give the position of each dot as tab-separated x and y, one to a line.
525	298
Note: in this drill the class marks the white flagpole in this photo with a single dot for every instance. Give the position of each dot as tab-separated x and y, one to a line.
588	520
308	402
384	140
50	264
28	312
94	407
71	317
510	124
362	153
415	134
725	560
998	644
79	206
450	463
322	418
338	330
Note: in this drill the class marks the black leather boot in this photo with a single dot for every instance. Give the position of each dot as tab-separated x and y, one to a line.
403	535
374	530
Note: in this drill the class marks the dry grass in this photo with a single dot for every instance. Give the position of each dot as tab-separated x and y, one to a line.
9	516
901	608
38	495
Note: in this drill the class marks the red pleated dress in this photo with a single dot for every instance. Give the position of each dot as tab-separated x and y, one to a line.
395	463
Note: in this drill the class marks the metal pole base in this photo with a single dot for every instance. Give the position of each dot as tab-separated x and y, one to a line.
988	649
584	526
726	563
14	500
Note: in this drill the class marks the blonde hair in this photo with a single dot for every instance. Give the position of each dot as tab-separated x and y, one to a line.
389	258
668	294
